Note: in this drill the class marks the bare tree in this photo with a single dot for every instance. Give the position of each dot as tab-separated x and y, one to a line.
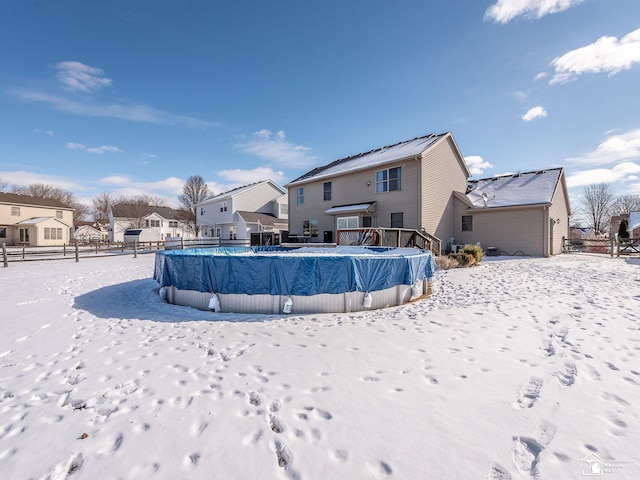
150	200
101	206
194	191
597	204
3	185
625	204
40	190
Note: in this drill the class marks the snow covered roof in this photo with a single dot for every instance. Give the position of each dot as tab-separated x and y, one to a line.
529	188
379	156
34	220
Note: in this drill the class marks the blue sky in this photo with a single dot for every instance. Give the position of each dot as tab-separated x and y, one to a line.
134	96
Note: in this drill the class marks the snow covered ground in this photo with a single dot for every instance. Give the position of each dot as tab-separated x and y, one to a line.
518	368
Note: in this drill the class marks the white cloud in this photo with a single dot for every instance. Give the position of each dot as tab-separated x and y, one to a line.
616	148
168	188
476	164
45	132
607	54
533	113
78	77
131	112
504	11
276	148
540	76
626	171
240	177
97	150
23	178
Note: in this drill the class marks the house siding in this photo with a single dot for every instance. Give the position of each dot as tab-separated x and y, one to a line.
36	231
356	188
440	176
257	199
560	213
509	230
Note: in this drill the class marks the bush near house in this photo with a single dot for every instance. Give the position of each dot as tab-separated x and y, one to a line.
469	256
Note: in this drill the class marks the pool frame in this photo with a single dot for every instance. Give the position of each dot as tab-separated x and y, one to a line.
349	301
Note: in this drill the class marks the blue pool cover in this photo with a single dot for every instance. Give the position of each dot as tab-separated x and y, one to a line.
282	271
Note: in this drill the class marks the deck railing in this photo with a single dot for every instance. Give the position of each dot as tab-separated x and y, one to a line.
389	237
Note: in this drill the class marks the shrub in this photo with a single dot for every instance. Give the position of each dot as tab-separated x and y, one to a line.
445	263
475	251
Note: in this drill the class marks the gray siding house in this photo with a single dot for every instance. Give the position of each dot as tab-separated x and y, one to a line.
406	185
525	213
423	184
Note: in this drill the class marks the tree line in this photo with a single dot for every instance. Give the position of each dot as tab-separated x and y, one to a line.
194	191
599	203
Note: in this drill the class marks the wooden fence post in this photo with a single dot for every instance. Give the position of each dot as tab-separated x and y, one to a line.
4	255
64	249
135	249
77	253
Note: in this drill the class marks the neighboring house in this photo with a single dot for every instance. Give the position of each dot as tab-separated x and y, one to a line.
526	213
33	221
407	185
236	214
90	232
150	223
422	184
634	224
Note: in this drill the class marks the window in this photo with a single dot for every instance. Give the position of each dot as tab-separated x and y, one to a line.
173	224
152	223
300	193
397	220
327	191
53	233
15	211
346	222
310	228
3	232
58	213
24	235
223	207
467	223
366	222
389	180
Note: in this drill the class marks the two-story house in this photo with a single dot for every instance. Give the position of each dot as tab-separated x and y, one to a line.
151	223
33	221
234	215
423	184
407	185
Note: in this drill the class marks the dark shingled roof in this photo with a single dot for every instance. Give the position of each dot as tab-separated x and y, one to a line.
124	210
264	218
29	200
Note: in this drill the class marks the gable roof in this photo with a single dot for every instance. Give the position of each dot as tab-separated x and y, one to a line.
373	158
37	220
18	199
124	210
238	190
263	218
528	188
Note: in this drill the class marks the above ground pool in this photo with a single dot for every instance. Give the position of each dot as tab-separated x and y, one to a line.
293	280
